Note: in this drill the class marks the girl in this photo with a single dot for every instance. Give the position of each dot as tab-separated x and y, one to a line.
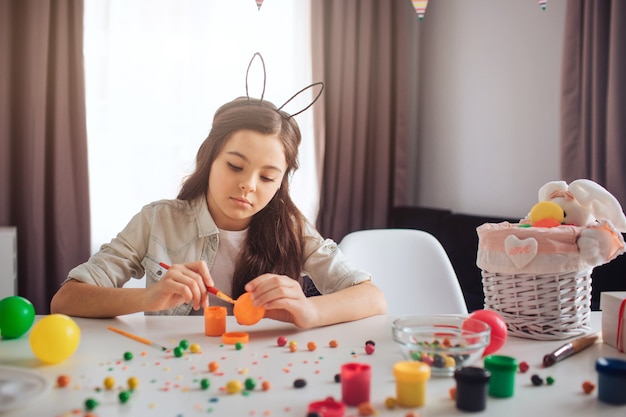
233	226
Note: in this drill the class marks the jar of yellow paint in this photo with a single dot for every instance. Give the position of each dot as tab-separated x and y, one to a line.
411	378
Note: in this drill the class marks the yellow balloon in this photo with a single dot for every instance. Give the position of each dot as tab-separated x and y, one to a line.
54	338
546	210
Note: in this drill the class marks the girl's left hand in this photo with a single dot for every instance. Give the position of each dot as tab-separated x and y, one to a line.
283	299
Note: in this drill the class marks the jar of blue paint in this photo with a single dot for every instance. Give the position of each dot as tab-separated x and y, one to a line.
611	380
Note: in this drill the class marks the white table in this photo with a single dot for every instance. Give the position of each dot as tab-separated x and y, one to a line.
169	386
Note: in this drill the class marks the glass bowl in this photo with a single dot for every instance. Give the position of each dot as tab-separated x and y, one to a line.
445	342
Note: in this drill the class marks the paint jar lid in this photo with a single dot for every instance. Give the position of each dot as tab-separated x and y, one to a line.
411	371
215	311
611	366
500	363
233	337
472	374
328	407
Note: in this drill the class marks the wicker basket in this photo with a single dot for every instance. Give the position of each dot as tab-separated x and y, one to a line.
542	307
536	279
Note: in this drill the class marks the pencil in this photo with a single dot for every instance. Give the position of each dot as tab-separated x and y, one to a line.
219	294
137	338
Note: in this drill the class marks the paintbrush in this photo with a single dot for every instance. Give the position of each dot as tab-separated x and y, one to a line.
137	338
569	349
219	294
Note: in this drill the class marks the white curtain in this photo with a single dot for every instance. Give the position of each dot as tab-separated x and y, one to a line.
156	71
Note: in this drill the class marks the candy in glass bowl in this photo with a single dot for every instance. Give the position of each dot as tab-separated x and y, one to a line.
444	342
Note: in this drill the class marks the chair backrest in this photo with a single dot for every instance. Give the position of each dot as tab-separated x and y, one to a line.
410	266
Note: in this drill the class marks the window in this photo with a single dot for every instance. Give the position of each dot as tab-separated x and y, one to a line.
156	71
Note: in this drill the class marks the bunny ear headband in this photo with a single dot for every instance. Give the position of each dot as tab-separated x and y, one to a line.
321	84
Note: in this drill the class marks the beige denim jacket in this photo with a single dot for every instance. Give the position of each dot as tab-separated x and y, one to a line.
177	231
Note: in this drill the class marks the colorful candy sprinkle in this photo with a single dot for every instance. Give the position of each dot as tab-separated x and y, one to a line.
299	383
234	386
333	343
205	383
133	383
63	381
523	366
439	361
366	409
109	382
391	403
427	359
124	396
214	366
90	404
250	384
311	346
588	387
281	341
536	380
128	356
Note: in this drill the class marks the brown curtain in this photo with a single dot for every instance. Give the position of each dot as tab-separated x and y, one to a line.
593	126
366	51
43	141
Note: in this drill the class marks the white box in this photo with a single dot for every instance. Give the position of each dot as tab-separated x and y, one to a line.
612	303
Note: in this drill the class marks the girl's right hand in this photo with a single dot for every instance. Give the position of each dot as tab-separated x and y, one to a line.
182	283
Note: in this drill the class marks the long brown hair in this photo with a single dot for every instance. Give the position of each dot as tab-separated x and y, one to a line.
275	242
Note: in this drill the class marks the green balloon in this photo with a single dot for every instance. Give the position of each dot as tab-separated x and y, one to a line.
17	315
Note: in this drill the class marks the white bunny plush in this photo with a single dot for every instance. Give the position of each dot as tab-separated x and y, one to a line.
589	205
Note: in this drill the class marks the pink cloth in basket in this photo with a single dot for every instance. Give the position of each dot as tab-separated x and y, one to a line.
509	249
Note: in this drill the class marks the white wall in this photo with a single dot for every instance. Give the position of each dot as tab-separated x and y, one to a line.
489	97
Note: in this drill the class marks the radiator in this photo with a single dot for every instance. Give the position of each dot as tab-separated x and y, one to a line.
8	261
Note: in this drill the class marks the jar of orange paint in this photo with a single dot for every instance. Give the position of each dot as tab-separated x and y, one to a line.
214	320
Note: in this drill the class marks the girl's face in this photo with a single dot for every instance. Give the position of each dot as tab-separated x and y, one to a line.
244	177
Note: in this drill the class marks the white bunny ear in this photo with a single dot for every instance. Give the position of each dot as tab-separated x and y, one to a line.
603	205
547	189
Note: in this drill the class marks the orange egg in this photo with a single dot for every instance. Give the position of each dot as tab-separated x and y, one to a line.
245	311
547	222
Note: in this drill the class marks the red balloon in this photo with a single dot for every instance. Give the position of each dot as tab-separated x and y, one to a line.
499	330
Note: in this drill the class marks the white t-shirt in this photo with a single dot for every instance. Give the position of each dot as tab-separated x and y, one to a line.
223	268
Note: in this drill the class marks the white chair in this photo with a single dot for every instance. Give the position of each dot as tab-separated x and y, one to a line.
410	266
